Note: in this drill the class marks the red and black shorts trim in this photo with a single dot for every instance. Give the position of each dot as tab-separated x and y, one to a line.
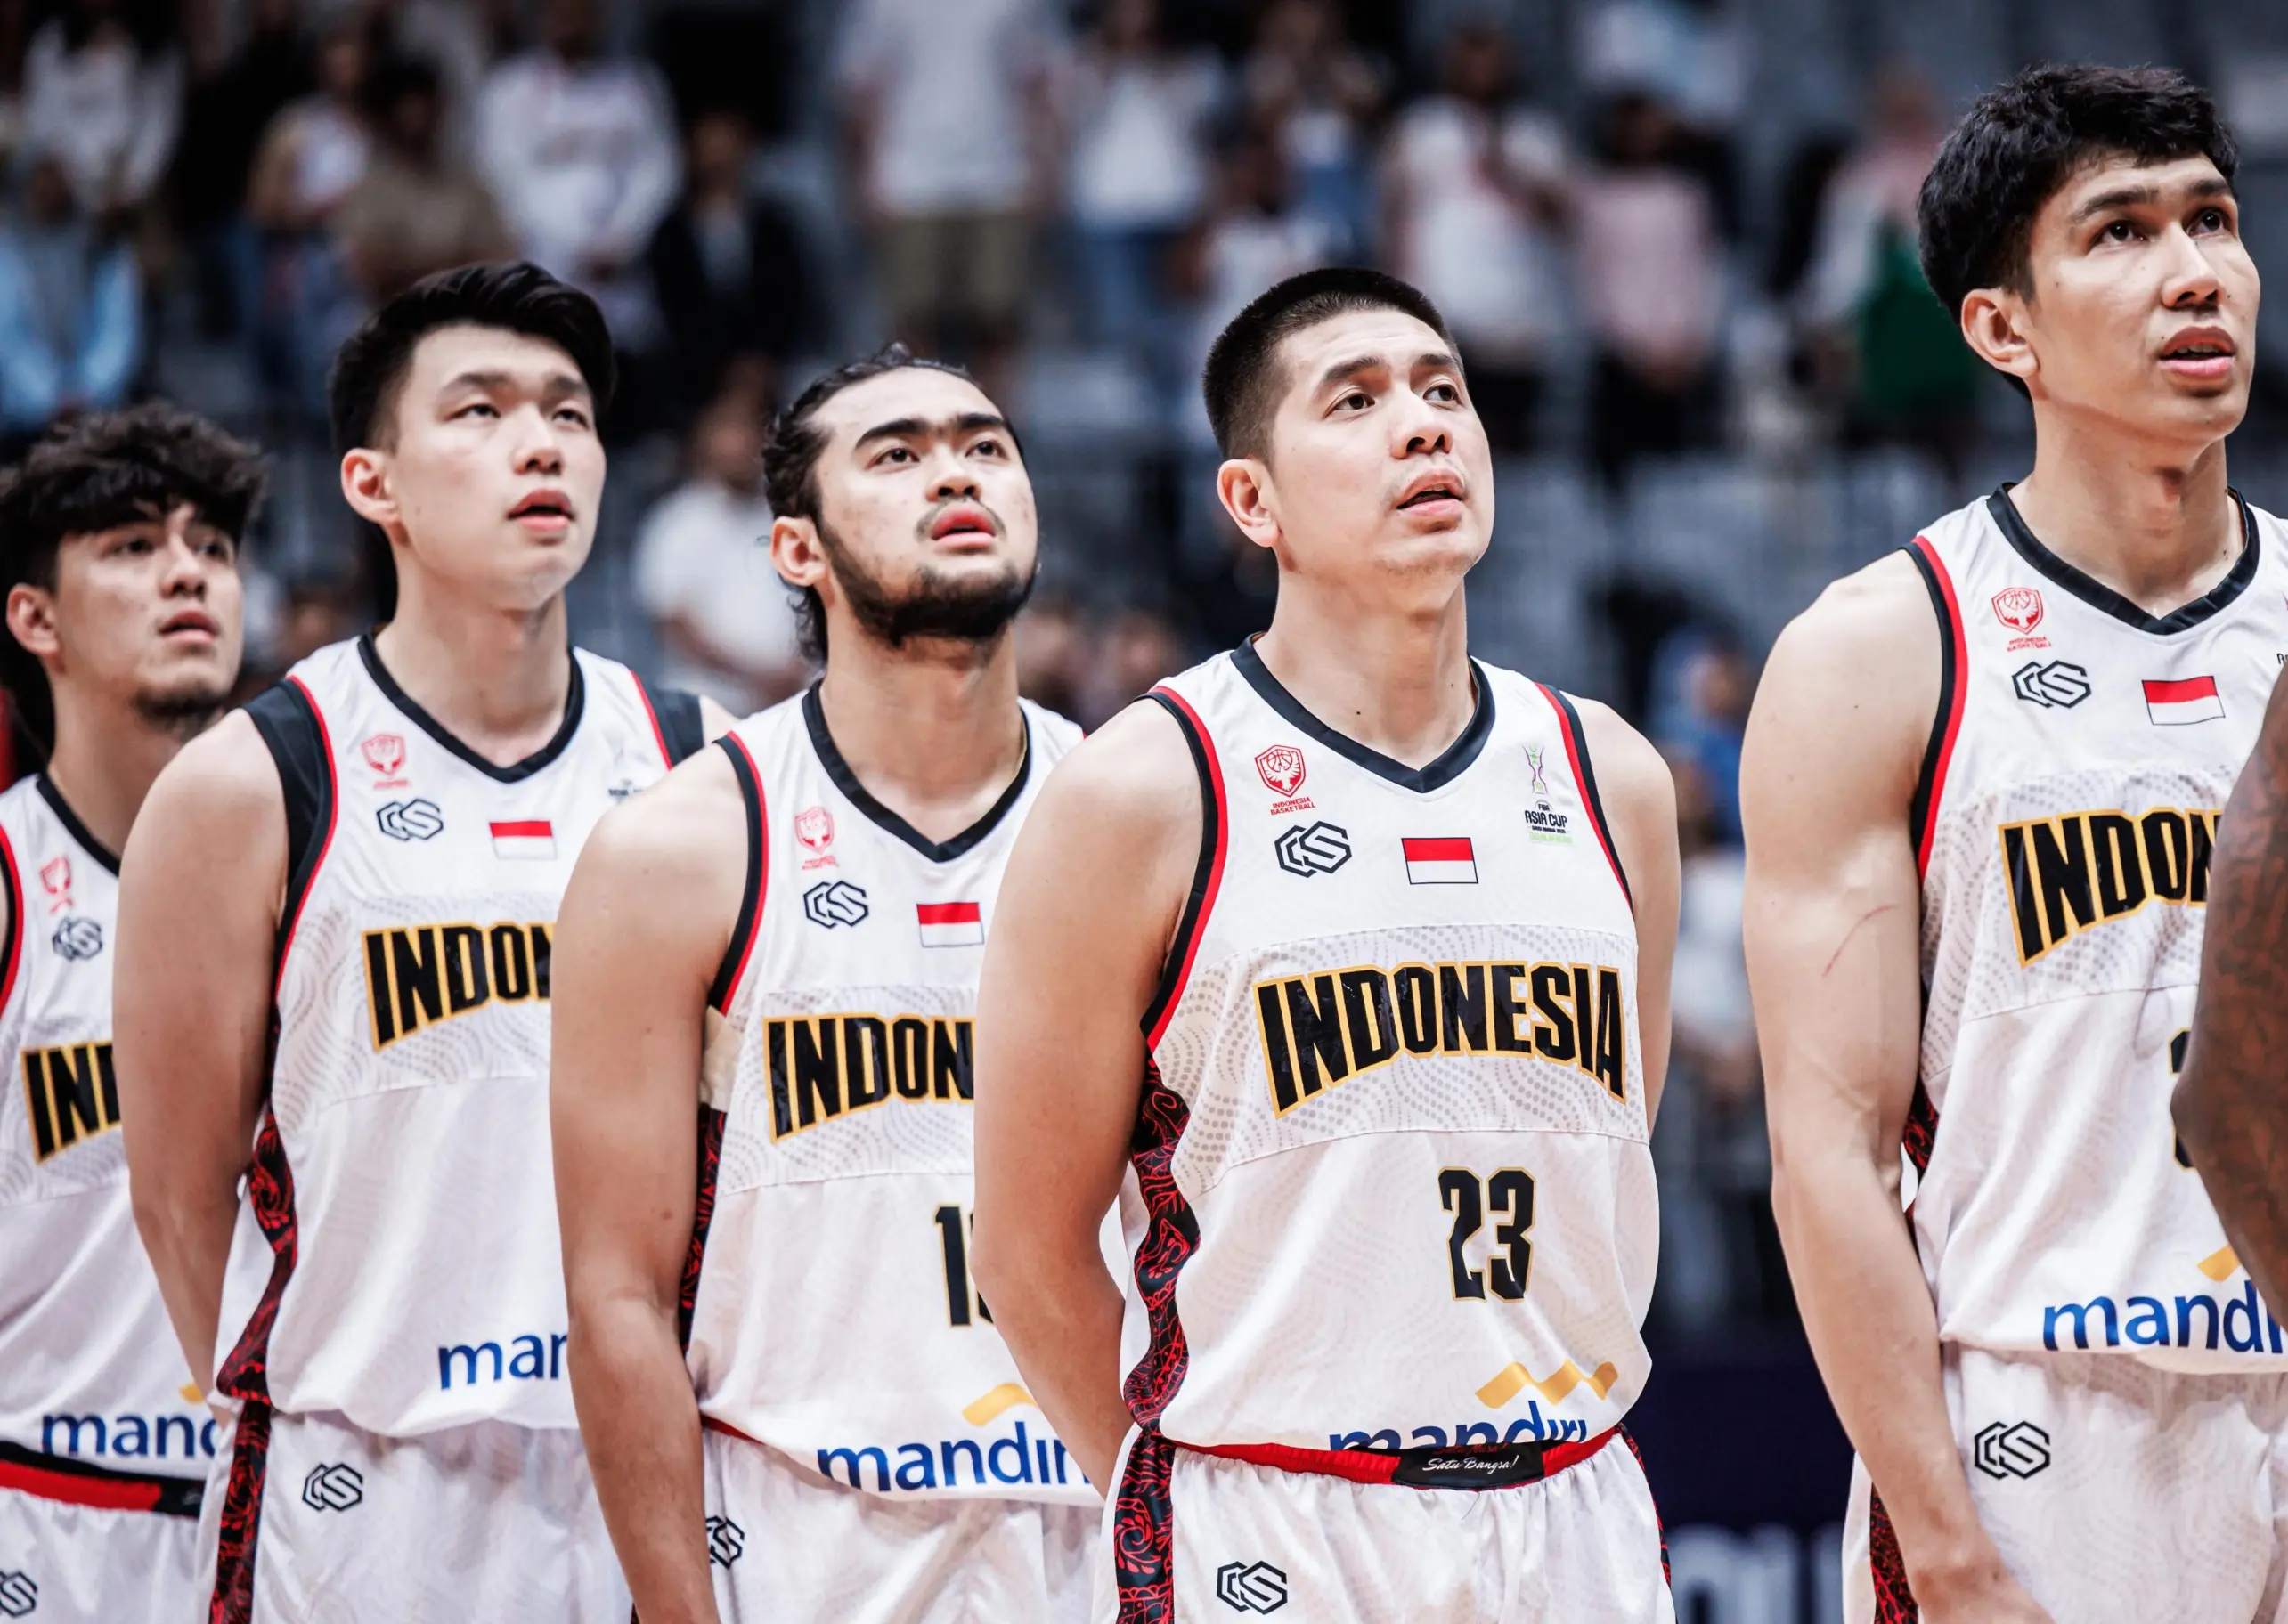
232	1600
1584	774
1946	726
1887	1567
702	1217
79	1483
741	946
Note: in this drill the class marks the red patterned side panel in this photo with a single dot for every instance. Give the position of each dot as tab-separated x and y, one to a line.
1171	1237
1894	1602
233	1599
1143	1533
702	1214
1628	1438
269	1186
1922	1129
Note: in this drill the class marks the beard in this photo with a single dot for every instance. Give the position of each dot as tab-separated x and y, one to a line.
183	712
972	609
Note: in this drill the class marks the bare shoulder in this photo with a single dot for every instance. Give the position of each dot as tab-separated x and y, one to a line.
1853	681
1133	775
687	833
225	771
219	808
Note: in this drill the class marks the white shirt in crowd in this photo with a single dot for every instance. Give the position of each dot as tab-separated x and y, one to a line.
705	555
947	81
1649	266
583	161
108	113
1468	241
1139	154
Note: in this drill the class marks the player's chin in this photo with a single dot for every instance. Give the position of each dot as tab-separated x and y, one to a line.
1447	545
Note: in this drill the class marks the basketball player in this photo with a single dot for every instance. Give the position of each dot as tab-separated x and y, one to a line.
1349	955
336	923
119	541
794	922
1982	784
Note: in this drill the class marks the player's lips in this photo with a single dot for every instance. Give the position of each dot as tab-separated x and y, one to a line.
2200	352
1434	492
189	624
547	511
965	523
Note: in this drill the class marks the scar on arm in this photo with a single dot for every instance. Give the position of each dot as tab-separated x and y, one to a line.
1879	909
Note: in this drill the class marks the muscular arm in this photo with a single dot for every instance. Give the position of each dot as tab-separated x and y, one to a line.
1087	908
649	910
1833	911
2232	1103
201	885
1639	801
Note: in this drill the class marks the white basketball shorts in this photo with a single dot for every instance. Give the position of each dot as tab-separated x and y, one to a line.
2114	1491
309	1520
81	1544
786	1544
1198	1537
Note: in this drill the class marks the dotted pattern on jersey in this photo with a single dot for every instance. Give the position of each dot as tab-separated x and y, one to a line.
1215	1050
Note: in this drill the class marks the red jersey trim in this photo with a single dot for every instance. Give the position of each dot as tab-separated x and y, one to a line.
1208	875
1576	756
740	948
325	845
651	715
1954	684
1380	1465
15	890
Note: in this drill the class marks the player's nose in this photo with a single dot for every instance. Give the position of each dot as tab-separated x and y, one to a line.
538	449
2192	276
950	475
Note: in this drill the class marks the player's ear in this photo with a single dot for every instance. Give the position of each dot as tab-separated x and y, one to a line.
31	620
796	553
1244	484
1993	324
365	486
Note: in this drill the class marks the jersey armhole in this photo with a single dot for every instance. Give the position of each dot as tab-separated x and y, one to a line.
1930	780
741	946
14	891
294	729
675	722
1207	873
1584	774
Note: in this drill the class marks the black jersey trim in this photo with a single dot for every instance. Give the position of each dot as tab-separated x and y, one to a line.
737	951
287	717
74	827
1207	873
1938	751
676	718
1450	764
2101	596
814	717
575	701
1585	772
15	887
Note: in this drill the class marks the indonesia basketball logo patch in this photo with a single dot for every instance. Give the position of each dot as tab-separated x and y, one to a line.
2020	611
951	924
1280	767
530	840
1440	862
385	753
2180	705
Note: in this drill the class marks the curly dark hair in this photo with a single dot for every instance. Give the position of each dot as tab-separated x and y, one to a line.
98	472
2031	134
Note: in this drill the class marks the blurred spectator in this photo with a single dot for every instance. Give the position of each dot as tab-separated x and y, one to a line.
1692	57
457	38
1887	345
1473	180
1701	688
581	155
1320	92
15	39
105	101
725	621
415	211
234	96
947	113
71	307
1139	172
1135	651
1649	271
728	269
1052	654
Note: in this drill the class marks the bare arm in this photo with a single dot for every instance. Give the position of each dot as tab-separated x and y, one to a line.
201	885
2231	1105
1087	908
1639	801
1833	923
644	924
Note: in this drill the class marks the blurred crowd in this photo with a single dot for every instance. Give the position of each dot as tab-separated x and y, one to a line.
202	197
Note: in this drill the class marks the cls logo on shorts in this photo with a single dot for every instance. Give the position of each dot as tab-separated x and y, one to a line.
1251	1586
333	1487
2013	1448
18	1595
726	1541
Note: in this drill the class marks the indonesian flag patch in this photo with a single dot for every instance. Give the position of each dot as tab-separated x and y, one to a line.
532	839
951	924
2179	705
1440	862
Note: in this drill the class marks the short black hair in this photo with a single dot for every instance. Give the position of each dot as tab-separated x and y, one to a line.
98	472
1242	382
513	294
791	447
2027	137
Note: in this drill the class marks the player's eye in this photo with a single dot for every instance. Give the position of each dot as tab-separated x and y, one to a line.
1357	399
1444	393
896	453
574	415
2212	220
477	408
2118	230
989	447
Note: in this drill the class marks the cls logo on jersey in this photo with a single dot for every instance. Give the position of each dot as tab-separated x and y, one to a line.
2071	872
822	1065
1321	848
2019	609
2053	684
835	902
385	753
1282	769
72	1094
2013	1448
55	879
79	937
814	828
1252	1586
18	1595
411	820
417	976
334	1487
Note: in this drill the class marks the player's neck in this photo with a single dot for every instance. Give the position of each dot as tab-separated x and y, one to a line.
105	758
1395	681
496	680
2160	529
935	737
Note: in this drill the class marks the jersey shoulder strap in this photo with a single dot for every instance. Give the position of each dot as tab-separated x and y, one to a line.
682	730
290	724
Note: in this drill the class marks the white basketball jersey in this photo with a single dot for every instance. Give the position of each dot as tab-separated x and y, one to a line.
2064	824
833	1319
89	1368
1393	1189
396	1260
